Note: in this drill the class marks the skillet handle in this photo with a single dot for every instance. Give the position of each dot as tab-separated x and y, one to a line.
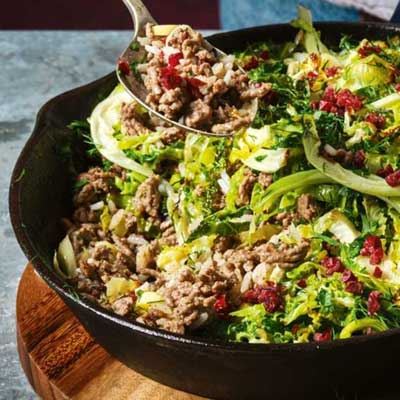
396	15
140	15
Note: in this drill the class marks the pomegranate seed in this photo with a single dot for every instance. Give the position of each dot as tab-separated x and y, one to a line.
384	172
295	328
221	305
352	284
312	75
372	247
124	67
376	119
377	256
368	49
348	100
339	102
393	179
378	272
373	303
332	264
253	63
173	59
323	336
331	71
326	106
269	295
169	78
193	85
264	55
359	159
314	57
302	283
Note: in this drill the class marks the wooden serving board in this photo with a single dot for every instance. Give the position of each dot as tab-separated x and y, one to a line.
62	361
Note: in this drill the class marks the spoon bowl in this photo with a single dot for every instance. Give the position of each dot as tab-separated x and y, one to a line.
135	54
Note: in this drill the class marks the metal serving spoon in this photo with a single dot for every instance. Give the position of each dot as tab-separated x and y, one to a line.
132	82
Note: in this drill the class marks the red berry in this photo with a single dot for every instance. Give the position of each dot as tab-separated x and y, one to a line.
295	328
378	272
377	256
314	57
368	49
270	295
348	100
376	119
312	75
253	63
264	55
323	336
302	283
373	303
331	71
397	87
393	179
193	85
221	305
170	78
329	94
173	59
372	247
352	284
384	172
124	67
332	264
359	159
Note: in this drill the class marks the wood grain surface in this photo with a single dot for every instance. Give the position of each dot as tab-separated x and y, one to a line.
62	361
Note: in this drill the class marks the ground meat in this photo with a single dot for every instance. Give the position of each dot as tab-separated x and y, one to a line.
146	259
168	234
306	211
159	318
191	297
97	183
92	287
246	187
284	255
82	236
242	259
199	113
218	202
286	218
223	243
106	262
132	122
171	103
172	134
148	198
123	306
231	126
254	92
85	214
192	83
265	179
306	207
245	258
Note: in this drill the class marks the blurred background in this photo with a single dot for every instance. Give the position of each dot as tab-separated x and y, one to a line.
201	14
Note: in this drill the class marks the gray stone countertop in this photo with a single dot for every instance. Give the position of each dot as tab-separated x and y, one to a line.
35	66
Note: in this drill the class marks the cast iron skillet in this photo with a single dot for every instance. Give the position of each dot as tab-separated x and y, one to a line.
40	195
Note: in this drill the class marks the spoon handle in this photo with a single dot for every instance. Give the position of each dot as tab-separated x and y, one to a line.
140	15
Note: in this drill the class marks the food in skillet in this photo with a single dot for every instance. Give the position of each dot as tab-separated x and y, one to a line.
188	82
289	232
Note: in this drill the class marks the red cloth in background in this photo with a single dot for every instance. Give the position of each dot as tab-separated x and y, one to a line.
103	14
